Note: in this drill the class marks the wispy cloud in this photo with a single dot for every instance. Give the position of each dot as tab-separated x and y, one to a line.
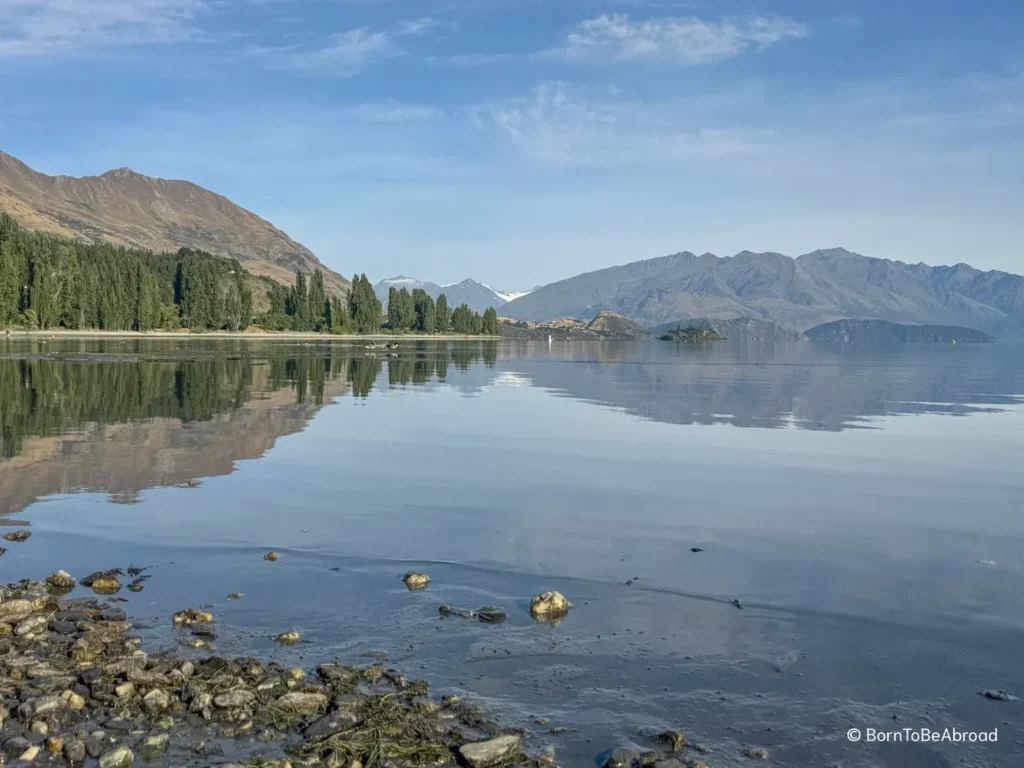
683	41
672	41
347	53
56	27
394	112
565	125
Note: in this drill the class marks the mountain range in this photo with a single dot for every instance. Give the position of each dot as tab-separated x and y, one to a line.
478	296
126	208
797	293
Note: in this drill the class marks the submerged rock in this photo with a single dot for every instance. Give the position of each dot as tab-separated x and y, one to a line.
549	605
999	695
17	536
415	581
491	615
271	556
288	638
675	739
620	757
61	580
106	585
191	616
154	746
493	752
236	596
757	753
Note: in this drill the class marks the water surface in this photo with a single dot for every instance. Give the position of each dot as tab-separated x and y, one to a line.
863	506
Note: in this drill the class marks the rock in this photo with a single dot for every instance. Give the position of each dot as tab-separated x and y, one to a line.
549	604
156	702
301	703
191	616
696	549
416	581
497	751
18	536
154	746
106	585
40	727
61	580
271	556
75	701
30	754
236	596
16	610
287	638
620	758
200	702
55	745
737	603
234	699
74	751
757	753
491	615
328	725
203	629
999	695
125	690
136	586
44	705
675	739
450	610
119	757
31	625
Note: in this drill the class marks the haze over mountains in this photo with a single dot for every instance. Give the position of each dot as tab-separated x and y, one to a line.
126	208
798	293
478	296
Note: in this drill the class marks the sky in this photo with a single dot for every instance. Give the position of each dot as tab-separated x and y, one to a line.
519	142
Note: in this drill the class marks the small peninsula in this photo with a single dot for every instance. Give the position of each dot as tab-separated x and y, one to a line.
886	332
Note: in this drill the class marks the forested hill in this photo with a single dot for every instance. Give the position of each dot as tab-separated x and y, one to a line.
49	282
129	209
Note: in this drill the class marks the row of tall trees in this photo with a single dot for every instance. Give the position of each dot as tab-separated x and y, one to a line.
417	311
48	282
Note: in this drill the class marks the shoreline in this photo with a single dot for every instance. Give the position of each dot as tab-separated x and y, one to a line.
243	335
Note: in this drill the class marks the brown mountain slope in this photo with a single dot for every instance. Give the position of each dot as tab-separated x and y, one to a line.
127	208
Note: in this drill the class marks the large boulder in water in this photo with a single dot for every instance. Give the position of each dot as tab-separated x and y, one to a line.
549	605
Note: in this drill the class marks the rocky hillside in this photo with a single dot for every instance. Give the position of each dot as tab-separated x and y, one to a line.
607	325
130	209
798	294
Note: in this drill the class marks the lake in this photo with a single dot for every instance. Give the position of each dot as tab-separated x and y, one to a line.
864	507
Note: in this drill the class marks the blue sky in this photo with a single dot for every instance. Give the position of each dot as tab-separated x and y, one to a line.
519	142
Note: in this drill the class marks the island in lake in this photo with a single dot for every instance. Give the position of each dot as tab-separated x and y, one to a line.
693	334
886	332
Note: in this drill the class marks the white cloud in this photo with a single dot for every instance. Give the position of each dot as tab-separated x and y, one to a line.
347	53
56	27
683	41
564	125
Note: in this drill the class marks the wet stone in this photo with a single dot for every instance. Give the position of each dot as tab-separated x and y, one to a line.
549	605
493	752
234	699
328	725
74	751
620	758
119	757
61	580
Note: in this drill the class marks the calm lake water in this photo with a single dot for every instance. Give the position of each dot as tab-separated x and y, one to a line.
865	507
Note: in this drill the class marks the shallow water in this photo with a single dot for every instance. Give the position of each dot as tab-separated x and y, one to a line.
863	505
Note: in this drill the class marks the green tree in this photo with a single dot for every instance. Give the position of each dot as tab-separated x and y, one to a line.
442	315
425	310
490	322
318	309
339	316
462	319
364	307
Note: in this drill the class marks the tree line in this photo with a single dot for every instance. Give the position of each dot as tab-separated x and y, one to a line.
50	282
